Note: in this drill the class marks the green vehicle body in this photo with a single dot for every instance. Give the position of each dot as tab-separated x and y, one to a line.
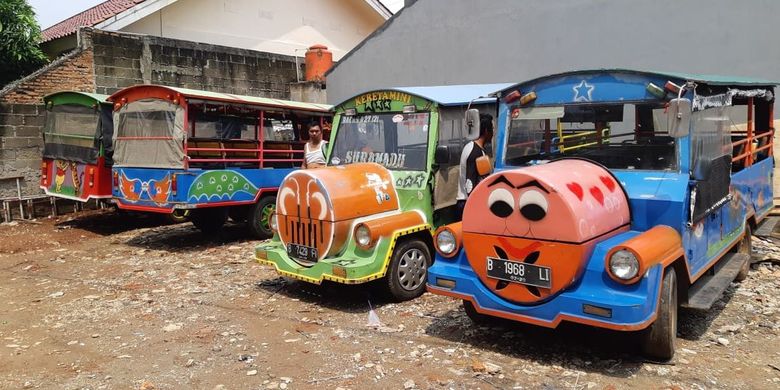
414	181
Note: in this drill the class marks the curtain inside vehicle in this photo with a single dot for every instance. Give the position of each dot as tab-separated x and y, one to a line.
149	134
71	133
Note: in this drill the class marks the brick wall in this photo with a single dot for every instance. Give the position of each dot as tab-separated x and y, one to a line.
20	147
74	72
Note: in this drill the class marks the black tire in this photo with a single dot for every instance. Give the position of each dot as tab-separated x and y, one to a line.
659	338
745	246
475	316
259	223
408	270
209	220
178	216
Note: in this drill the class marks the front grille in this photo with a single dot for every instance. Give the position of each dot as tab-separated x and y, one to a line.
306	232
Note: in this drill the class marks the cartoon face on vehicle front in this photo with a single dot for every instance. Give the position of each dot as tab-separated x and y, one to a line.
545	216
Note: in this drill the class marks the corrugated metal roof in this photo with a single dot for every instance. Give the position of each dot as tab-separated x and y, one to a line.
95	96
698	78
88	18
452	95
238	99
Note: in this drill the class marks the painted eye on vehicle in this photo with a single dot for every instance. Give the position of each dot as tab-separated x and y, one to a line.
500	202
532	205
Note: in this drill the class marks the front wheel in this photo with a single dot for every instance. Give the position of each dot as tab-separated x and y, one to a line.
658	339
260	217
209	220
475	316
408	270
745	246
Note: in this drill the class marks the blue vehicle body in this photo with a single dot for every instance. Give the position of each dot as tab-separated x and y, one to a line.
214	154
656	197
139	187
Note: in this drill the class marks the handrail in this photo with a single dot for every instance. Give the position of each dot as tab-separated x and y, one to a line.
91	138
153	138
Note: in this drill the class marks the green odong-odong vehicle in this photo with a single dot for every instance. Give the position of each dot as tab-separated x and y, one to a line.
391	179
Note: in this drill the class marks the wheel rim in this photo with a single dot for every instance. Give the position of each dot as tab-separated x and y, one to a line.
180	214
265	216
412	269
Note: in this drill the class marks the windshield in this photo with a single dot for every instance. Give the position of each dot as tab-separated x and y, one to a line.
394	140
70	124
619	136
149	133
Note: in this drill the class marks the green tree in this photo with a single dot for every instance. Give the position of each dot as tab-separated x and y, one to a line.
19	38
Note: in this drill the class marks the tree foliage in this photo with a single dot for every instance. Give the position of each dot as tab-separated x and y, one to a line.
19	38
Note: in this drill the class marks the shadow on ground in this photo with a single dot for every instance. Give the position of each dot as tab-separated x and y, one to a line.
335	296
109	222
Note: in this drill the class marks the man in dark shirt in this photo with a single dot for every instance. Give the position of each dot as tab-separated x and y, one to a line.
469	177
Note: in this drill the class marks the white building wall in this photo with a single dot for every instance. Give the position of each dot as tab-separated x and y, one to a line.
283	27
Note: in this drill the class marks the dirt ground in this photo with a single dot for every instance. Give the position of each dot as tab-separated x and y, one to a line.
117	301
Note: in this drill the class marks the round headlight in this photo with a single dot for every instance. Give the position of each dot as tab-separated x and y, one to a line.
363	235
445	241
273	223
624	265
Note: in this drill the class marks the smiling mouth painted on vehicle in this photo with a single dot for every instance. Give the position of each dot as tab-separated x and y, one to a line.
529	255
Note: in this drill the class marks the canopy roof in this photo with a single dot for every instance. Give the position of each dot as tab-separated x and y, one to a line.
75	97
139	92
679	77
455	95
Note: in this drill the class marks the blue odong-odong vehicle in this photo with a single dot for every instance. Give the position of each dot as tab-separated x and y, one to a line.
212	154
619	196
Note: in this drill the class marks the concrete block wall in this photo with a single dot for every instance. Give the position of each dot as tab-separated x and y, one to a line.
123	60
21	126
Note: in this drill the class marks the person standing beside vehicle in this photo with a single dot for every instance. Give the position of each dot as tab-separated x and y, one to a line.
469	174
314	155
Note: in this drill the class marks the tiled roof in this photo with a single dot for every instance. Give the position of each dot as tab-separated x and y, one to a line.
88	18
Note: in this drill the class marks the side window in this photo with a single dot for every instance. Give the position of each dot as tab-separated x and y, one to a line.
275	129
710	139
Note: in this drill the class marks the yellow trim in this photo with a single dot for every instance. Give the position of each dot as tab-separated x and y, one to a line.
397	234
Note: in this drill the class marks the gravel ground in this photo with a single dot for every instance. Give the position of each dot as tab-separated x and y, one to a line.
115	301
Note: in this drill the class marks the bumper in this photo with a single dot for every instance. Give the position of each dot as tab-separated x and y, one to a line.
354	266
622	307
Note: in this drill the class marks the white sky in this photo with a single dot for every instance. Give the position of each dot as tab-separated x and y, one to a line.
51	12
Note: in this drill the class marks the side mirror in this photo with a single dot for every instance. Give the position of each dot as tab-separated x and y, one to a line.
678	120
442	155
484	166
472	124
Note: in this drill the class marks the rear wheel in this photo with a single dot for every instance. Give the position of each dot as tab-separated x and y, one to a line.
408	270
209	220
745	246
659	338
178	216
260	217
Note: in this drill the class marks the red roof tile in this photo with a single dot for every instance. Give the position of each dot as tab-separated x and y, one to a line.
88	18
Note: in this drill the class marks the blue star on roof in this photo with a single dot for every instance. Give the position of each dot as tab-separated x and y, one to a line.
582	92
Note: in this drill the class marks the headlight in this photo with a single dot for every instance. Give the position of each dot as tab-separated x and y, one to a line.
273	223
363	235
623	265
445	241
